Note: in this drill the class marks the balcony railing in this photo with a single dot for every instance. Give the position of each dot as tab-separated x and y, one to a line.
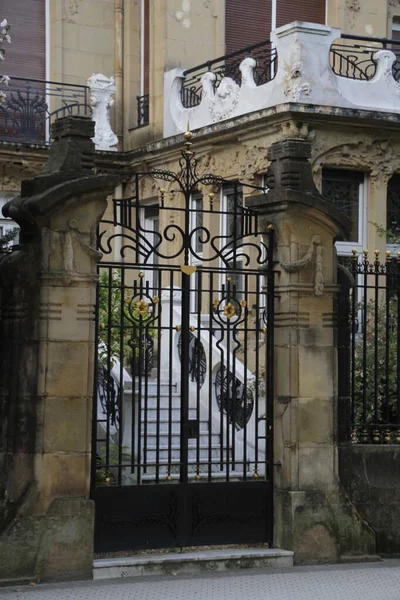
142	110
32	105
229	66
353	56
301	63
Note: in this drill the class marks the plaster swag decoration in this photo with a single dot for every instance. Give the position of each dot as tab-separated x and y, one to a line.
102	89
303	75
297	265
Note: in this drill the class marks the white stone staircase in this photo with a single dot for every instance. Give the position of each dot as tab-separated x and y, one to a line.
167	429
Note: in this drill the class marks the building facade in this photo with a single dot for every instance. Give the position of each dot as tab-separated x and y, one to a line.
266	90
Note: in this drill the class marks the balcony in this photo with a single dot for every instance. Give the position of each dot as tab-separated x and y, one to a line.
302	63
32	105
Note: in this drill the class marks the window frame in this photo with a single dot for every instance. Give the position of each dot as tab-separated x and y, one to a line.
345	248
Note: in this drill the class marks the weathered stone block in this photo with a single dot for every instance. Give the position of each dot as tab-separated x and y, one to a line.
66	425
315	421
317	468
67	369
317	367
63	475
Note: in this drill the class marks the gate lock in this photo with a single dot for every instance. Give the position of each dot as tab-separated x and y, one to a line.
193	429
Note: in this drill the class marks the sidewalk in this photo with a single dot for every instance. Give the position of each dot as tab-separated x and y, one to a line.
333	582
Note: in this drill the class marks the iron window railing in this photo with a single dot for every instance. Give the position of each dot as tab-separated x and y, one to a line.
143	110
228	66
31	106
353	56
369	349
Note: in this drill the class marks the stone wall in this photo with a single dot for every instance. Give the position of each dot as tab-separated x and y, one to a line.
370	476
47	300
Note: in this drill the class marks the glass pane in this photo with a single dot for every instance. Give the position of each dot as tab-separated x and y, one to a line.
342	189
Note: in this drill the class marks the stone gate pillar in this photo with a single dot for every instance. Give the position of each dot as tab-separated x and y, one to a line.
48	290
311	514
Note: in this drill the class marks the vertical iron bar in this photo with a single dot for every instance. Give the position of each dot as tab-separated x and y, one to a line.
354	268
93	472
228	398
198	356
140	417
364	340
158	293
185	376
135	408
109	377
245	383
209	367
171	355
376	344
398	339
121	374
387	344
269	443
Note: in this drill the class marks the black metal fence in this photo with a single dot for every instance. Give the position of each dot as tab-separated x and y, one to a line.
32	105
229	66
369	350
353	56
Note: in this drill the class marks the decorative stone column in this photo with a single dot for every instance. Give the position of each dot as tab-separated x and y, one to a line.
311	515
102	90
48	290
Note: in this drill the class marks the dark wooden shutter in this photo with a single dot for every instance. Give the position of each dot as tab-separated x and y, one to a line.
300	10
26	55
246	22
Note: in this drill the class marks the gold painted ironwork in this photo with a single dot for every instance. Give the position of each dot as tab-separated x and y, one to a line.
243	303
229	310
192	328
142	308
141	274
155	299
188	269
178	327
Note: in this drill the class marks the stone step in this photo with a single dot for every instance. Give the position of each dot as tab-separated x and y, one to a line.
176	439
151	453
164	411
216	473
164	425
175	563
165	386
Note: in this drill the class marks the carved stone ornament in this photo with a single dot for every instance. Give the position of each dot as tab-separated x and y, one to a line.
302	263
296	88
353	7
102	89
71	8
221	103
376	156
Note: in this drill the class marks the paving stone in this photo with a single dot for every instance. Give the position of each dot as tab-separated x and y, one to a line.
334	582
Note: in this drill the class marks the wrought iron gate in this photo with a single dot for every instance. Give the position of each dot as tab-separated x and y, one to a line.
182	430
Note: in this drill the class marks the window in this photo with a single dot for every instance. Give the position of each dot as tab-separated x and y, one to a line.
396	28
251	21
196	222
346	190
393	214
151	225
232	230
